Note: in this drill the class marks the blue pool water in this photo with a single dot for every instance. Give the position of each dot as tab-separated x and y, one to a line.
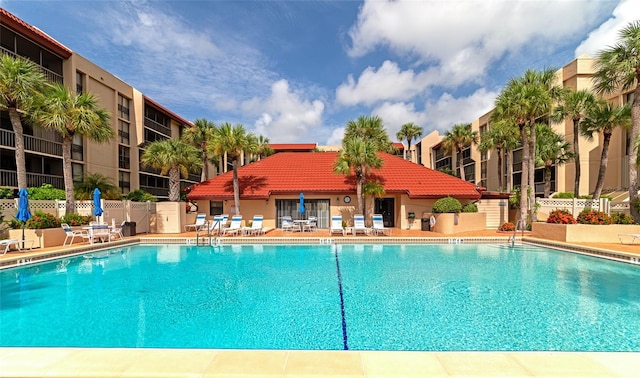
362	297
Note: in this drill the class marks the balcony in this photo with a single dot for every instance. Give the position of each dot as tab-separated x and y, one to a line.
50	75
31	144
158	192
10	179
153	125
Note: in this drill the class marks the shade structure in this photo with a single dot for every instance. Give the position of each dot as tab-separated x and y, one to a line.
301	209
97	208
23	214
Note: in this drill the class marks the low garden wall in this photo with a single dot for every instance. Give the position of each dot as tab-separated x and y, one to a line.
42	238
587	233
447	223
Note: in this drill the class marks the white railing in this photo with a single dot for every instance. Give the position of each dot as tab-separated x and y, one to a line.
576	205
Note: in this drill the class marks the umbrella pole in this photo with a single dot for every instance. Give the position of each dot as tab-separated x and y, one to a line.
23	235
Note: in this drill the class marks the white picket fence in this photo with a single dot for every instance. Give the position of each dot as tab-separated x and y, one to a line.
576	205
113	211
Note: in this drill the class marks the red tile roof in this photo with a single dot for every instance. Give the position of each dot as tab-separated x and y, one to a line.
398	145
33	33
167	111
312	173
293	146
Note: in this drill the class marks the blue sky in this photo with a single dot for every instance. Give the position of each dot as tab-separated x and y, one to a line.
297	71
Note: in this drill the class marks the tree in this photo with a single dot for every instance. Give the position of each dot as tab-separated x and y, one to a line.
200	134
234	141
84	190
409	131
574	105
21	81
551	150
456	140
72	114
362	141
503	136
262	147
604	118
173	156
618	68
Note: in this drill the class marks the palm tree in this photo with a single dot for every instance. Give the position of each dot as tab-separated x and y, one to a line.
72	114
618	68
504	137
551	150
604	118
20	82
84	190
200	135
456	140
409	131
574	105
234	141
362	141
262	147
173	156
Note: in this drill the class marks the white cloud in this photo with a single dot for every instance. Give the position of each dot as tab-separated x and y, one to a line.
607	34
397	114
463	37
448	110
335	139
285	116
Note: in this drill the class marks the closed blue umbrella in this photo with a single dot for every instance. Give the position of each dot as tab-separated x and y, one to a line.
301	209
23	214
97	209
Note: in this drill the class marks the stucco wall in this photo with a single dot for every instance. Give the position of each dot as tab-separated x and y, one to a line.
586	233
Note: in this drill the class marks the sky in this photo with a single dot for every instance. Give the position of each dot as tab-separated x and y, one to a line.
298	71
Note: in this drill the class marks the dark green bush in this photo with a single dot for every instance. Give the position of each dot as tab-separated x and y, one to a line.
6	193
75	219
622	218
564	195
41	220
470	208
46	192
447	205
140	196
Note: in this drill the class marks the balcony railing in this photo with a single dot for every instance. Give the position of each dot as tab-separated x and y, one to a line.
162	129
10	178
51	76
158	192
31	143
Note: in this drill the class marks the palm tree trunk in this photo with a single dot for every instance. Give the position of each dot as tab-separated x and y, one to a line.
524	177
18	134
174	184
604	160
547	181
409	148
532	172
576	153
205	164
459	164
67	171
500	170
633	154
508	163
236	187
360	194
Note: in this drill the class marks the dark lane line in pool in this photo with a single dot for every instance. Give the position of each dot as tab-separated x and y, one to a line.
344	321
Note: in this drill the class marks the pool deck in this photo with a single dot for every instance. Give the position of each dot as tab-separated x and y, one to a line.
116	362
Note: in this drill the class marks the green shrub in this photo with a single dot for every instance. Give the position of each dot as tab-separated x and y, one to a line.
42	220
563	195
14	224
470	208
447	205
561	216
75	219
622	218
590	216
46	192
6	193
140	196
509	226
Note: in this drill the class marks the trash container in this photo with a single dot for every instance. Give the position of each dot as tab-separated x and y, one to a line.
129	229
426	224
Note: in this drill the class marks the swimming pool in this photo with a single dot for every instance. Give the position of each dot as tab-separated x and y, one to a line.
331	297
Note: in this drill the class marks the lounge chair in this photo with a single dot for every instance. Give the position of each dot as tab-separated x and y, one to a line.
633	238
336	225
378	225
358	225
235	227
73	233
8	243
288	225
214	227
200	219
256	226
99	232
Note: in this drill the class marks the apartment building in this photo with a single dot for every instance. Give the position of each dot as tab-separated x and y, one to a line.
482	167
135	118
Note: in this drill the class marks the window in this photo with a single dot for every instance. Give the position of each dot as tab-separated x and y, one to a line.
123	132
215	207
77	148
123	107
79	82
123	157
124	181
77	172
150	136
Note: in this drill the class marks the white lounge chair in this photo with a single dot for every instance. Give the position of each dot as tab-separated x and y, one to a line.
8	243
633	238
358	225
200	219
288	225
256	226
378	225
235	227
336	225
71	234
214	227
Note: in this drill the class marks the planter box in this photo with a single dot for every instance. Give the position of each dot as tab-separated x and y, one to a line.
585	233
448	224
48	237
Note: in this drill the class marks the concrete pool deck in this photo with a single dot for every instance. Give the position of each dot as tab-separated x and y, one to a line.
117	362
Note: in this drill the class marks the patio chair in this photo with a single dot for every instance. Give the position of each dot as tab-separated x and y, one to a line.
336	225
72	234
99	232
235	227
200	219
288	225
256	226
358	225
214	227
8	243
378	225
311	224
117	232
